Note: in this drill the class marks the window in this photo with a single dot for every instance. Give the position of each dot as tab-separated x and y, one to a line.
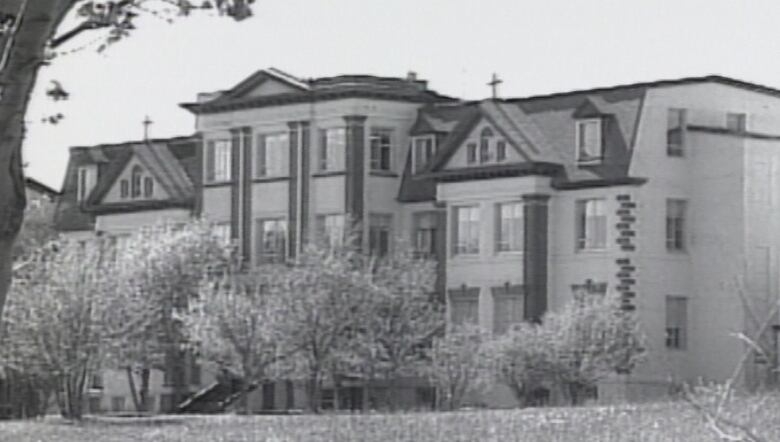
589	143
332	149
736	122
271	236
509	230
675	132
218	161
425	232
222	232
589	288
97	381
83	183
124	189
500	150
272	155
507	307
676	322
117	403
379	234
381	141
466	230
464	306
331	229
471	153
675	224
591	224
424	150
484	145
148	186
135	181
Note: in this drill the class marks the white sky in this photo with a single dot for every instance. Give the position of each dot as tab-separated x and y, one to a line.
537	46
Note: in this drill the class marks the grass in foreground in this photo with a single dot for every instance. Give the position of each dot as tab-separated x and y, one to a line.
650	422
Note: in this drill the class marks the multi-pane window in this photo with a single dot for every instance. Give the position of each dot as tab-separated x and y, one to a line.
471	153
509	229
424	150
736	122
124	189
591	224
507	307
464	306
589	141
675	224
675	132
222	232
332	149
218	161
500	150
466	230
148	186
331	229
484	145
381	142
676	322
379	234
271	240
425	232
272	155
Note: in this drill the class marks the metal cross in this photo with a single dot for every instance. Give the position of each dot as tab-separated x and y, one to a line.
494	82
147	122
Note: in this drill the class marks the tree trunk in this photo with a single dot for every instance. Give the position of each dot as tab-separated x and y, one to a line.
144	394
21	55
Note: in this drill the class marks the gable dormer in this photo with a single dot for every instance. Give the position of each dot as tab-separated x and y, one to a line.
135	183
484	146
590	120
86	178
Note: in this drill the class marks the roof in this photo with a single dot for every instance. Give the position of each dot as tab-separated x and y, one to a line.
37	186
172	161
317	89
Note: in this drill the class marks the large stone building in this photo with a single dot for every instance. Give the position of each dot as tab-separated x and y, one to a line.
663	191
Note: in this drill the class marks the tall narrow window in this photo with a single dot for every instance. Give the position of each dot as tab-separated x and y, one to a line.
124	189
425	232
332	149
466	230
272	155
509	230
330	229
218	161
676	322
222	232
381	141
736	122
471	153
675	224
271	240
484	145
135	181
675	132
379	234
148	187
82	183
464	306
500	150
591	224
589	142
507	307
424	150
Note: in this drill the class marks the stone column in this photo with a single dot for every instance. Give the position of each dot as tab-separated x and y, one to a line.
355	172
535	255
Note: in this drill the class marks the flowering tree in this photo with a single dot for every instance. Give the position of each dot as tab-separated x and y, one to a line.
53	327
29	40
158	272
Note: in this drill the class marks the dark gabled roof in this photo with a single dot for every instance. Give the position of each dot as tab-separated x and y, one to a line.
37	186
318	89
175	167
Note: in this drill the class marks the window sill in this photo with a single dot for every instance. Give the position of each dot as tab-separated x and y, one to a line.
588	163
586	251
326	173
509	253
270	179
383	173
218	183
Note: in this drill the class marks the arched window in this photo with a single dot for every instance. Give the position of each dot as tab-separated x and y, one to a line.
136	181
148	186
484	145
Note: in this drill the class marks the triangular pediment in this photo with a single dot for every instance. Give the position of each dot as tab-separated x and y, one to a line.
135	183
267	82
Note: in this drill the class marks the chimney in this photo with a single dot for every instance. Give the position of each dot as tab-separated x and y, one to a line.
411	76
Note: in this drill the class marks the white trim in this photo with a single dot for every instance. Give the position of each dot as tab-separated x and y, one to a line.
577	140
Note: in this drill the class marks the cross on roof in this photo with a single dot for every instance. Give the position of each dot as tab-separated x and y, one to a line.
147	122
494	82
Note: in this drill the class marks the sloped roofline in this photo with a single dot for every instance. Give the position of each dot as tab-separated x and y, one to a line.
40	187
714	78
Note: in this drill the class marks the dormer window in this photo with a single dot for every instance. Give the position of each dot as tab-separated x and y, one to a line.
484	145
135	181
590	147
85	181
423	150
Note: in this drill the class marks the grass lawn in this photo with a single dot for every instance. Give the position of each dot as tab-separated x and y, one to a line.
650	422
